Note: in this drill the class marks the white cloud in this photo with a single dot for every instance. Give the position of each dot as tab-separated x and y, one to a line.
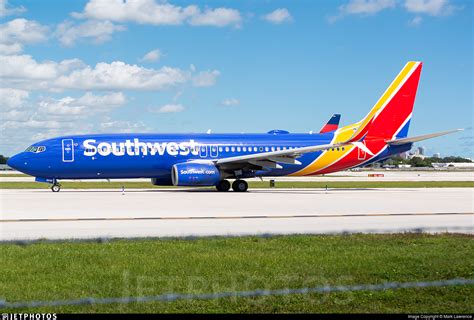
49	117
119	75
367	7
169	108
13	115
88	104
205	78
109	125
372	7
99	31
16	33
230	102
416	21
12	98
278	16
25	67
12	48
219	17
24	72
6	10
363	7
430	7
152	56
158	13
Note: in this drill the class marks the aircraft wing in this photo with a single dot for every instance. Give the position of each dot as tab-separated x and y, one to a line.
272	158
420	138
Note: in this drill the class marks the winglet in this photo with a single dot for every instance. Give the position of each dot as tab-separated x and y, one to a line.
332	124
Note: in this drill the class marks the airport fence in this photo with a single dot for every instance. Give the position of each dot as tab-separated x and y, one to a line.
170	297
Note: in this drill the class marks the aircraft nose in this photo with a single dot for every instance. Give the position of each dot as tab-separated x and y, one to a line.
16	162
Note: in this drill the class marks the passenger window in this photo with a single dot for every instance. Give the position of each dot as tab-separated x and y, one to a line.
226	149
238	149
233	149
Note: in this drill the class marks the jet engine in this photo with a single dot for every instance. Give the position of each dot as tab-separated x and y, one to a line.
195	174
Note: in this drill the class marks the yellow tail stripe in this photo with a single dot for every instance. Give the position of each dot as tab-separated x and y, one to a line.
387	94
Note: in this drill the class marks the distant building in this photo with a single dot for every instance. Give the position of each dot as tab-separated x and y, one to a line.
453	165
437	155
420	151
404	155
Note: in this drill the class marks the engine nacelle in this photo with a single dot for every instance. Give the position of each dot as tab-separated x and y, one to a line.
195	174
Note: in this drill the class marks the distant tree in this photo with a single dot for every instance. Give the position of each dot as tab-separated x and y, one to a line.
419	162
3	159
453	159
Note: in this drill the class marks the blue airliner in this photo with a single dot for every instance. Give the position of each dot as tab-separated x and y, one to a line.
211	159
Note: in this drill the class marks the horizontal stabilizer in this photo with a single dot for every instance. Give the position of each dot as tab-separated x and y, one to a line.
420	138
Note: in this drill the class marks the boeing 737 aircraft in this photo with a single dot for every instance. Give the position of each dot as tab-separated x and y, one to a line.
211	159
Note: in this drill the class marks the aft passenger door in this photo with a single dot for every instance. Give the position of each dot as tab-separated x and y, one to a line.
68	150
361	155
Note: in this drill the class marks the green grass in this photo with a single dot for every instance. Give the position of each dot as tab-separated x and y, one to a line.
252	184
66	270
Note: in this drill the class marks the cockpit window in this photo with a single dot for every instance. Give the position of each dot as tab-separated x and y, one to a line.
35	149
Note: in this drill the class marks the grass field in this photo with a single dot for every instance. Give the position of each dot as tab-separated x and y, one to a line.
252	184
66	270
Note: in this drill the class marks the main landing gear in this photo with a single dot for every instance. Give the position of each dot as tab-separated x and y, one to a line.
223	186
237	186
56	187
240	185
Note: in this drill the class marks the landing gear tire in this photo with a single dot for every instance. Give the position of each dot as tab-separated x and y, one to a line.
55	187
223	186
240	186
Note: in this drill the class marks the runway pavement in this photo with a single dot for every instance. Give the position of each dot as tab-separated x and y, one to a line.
33	214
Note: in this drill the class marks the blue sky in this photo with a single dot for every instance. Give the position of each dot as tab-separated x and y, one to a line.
230	66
